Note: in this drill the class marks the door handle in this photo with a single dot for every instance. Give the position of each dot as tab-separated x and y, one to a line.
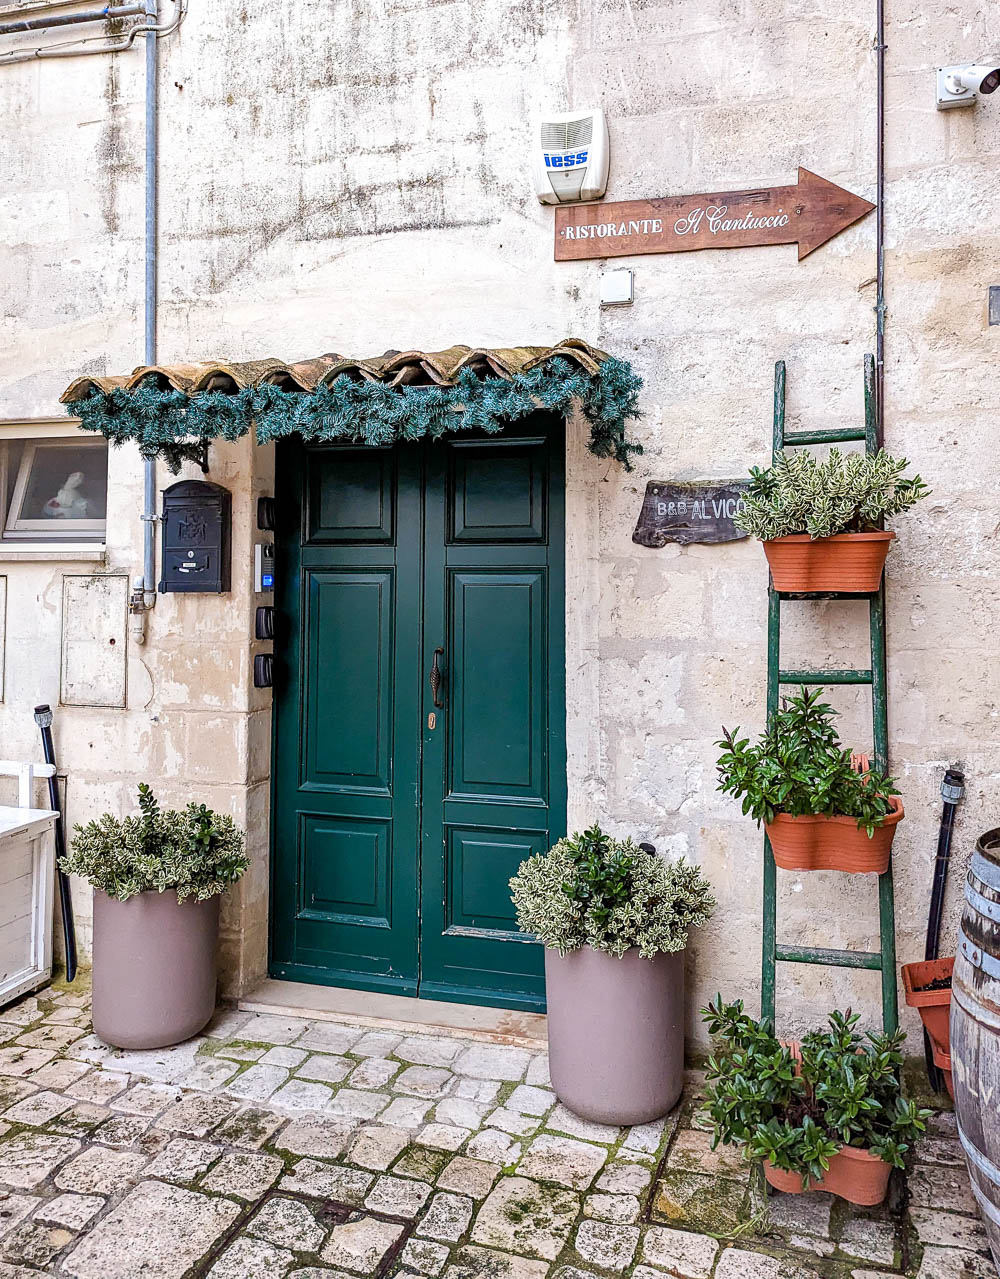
435	677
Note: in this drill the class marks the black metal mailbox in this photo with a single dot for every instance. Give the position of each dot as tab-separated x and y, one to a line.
197	533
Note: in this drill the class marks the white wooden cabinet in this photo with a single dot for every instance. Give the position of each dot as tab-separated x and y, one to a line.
27	873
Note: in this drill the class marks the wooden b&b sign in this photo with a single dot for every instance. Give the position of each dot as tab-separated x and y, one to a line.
700	511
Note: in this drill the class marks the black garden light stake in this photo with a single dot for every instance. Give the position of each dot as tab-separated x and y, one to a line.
43	718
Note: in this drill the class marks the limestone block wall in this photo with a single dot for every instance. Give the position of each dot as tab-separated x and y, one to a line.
710	100
353	177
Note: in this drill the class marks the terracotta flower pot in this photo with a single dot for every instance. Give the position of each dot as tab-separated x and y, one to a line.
616	1033
943	1062
851	562
855	1175
934	1006
789	1183
833	843
154	968
858	1176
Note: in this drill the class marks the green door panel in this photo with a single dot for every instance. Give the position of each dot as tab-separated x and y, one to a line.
498	700
345	804
498	492
351	497
478	866
344	875
360	759
397	822
494	769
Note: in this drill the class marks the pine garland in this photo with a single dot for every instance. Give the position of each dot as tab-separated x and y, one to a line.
171	425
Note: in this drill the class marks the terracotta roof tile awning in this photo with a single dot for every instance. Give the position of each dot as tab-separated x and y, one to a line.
393	368
173	411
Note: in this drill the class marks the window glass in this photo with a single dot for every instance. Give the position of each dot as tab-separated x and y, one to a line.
66	482
53	489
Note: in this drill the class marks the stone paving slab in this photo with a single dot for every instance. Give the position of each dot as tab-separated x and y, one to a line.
273	1147
157	1231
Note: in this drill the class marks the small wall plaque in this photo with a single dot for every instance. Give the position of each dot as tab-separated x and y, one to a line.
685	512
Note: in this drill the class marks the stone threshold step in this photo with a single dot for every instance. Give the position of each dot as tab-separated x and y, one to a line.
397	1012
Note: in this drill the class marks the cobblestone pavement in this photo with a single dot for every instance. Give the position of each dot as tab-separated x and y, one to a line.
283	1148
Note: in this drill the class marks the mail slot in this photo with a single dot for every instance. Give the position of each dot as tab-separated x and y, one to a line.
197	529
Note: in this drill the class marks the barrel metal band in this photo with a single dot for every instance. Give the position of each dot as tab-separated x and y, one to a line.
987	1206
984	905
989	1170
985	870
978	957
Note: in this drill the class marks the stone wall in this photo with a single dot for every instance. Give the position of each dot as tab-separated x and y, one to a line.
354	177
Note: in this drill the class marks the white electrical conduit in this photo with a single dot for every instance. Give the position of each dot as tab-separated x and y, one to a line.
109	13
73	49
40	6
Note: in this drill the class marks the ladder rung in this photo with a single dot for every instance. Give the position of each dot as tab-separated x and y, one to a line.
842	435
825	677
836	958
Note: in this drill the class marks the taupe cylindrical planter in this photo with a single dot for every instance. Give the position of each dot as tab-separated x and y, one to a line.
154	968
616	1033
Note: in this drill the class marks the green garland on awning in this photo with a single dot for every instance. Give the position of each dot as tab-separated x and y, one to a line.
170	424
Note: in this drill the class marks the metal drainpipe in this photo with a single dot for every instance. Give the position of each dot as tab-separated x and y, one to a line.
147	588
149	464
71	19
880	307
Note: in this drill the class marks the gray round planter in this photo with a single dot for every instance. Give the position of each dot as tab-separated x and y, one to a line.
616	1033
154	968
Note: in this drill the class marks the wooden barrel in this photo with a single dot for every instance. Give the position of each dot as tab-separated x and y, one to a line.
975	1032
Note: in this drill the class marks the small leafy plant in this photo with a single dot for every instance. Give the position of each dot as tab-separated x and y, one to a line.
846	493
798	766
592	890
797	1108
195	851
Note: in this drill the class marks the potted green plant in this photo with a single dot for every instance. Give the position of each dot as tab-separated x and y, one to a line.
157	878
823	807
614	919
825	1114
821	520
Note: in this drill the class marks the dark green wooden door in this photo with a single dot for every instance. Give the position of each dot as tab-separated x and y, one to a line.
397	822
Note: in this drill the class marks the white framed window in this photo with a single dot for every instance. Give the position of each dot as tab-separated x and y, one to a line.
53	486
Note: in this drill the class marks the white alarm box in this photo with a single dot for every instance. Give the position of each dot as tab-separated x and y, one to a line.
571	156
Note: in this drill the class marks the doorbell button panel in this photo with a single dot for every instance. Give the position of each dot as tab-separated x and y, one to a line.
263	566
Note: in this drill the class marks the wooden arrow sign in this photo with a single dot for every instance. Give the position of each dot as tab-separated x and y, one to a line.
808	214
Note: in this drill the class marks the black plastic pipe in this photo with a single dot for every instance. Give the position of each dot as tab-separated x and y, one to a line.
952	789
43	718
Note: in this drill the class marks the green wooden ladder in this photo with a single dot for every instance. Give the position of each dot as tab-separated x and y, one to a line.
884	959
